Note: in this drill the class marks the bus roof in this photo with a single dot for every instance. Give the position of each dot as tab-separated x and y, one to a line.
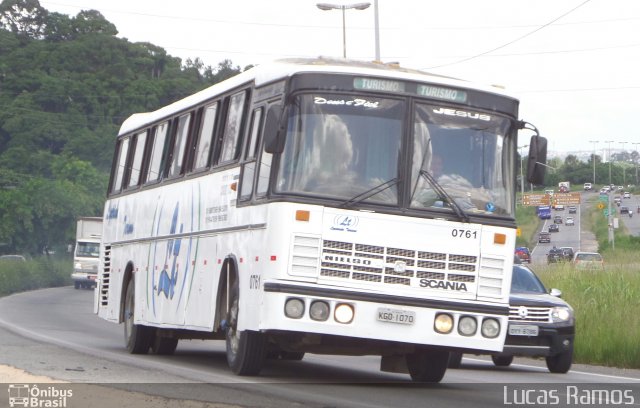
281	69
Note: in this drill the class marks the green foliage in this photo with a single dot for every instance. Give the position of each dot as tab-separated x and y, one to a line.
66	85
606	305
42	272
528	222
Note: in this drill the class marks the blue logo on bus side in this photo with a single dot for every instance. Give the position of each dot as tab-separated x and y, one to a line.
345	223
166	282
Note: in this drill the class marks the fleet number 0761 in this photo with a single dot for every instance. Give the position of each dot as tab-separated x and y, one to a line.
464	233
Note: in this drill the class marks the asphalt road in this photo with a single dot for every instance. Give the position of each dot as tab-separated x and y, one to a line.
53	332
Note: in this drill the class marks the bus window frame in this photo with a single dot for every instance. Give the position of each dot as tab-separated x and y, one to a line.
163	154
113	187
132	154
253	140
220	140
213	137
184	142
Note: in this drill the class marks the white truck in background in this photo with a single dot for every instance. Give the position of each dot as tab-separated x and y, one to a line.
87	252
564	186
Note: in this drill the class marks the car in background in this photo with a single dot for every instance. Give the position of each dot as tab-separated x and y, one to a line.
588	260
557	219
523	254
588	186
554	228
541	324
544	237
569	222
555	255
567	253
559	207
573	209
624	210
626	194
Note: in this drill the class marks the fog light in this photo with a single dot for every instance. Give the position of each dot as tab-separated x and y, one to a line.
467	326
490	328
319	311
343	313
294	308
443	323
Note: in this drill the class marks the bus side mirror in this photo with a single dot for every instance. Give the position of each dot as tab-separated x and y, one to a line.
536	165
273	132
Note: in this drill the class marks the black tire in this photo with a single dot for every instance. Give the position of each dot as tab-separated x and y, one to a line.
285	355
560	363
76	285
455	359
137	337
427	365
164	345
246	350
502	361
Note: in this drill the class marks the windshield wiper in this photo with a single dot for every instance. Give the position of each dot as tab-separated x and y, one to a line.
369	193
442	193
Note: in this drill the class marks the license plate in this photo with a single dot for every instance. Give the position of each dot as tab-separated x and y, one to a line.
396	316
517	330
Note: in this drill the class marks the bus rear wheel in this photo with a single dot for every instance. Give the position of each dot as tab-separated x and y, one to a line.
246	350
136	336
427	365
164	345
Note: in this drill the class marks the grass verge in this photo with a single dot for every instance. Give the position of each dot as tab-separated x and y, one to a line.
42	272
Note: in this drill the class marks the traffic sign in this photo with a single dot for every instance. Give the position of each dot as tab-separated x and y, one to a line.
566	198
600	206
536	199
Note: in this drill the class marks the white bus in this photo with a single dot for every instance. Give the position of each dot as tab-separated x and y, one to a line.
317	206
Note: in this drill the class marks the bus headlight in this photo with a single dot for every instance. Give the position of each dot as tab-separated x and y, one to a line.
344	313
467	326
319	310
77	266
294	308
490	328
443	323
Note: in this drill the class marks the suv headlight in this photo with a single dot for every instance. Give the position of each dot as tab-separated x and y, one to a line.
561	314
77	266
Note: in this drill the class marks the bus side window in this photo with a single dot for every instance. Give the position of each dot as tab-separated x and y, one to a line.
233	128
136	163
157	152
120	163
249	167
179	146
205	137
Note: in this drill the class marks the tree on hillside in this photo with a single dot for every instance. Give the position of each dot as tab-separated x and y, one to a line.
23	18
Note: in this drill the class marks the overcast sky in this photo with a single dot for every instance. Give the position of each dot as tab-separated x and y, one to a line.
574	64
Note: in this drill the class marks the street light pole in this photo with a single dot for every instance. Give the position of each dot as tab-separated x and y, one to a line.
521	173
376	28
593	159
609	158
624	173
636	145
357	6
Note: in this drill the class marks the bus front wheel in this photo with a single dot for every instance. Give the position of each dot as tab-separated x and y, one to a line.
427	365
137	337
246	350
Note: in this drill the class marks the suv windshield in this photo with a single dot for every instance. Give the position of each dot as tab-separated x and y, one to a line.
349	148
525	281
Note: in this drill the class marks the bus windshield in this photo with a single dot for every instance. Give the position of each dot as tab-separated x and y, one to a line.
466	155
341	146
349	147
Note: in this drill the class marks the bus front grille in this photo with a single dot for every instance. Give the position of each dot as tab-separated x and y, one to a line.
390	265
